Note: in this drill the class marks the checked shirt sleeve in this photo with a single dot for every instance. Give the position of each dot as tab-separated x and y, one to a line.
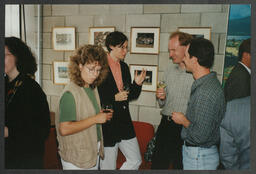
205	119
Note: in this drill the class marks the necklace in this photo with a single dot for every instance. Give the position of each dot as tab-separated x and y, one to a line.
12	92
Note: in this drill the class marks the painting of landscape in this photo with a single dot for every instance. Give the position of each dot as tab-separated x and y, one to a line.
239	29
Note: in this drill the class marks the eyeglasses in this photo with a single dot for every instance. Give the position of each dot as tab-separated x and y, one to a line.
92	70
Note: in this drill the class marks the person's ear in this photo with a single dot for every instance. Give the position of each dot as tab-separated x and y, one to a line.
247	55
194	59
80	66
187	47
246	59
111	47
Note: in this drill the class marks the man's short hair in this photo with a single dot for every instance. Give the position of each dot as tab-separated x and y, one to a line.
244	47
115	38
184	38
203	50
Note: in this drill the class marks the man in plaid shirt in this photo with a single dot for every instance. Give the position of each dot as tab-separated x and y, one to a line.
205	111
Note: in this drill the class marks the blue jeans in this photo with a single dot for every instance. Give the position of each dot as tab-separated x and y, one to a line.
198	158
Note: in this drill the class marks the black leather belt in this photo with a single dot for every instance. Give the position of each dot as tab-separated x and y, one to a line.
190	145
168	117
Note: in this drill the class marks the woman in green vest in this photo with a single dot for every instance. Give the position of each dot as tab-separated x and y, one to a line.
78	117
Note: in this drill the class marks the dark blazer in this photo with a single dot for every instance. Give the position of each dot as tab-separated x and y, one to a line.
120	127
27	117
238	84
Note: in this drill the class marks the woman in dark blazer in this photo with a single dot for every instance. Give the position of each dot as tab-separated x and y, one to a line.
119	132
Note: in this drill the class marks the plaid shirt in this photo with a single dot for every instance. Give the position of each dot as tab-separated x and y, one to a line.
206	109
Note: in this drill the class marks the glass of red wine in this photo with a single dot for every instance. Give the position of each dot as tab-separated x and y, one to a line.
107	107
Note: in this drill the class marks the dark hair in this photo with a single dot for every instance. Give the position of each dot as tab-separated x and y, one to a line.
244	47
184	38
88	54
115	38
25	60
203	50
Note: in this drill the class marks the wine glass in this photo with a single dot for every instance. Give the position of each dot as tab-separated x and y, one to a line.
161	84
107	107
126	87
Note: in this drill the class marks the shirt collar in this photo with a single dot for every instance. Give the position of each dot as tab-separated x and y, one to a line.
248	69
179	69
111	61
202	79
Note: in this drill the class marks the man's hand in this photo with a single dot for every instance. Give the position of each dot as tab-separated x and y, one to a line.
180	118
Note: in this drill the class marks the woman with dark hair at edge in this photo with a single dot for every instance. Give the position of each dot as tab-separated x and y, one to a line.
27	115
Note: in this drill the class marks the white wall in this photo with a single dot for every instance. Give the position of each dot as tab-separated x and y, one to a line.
12	24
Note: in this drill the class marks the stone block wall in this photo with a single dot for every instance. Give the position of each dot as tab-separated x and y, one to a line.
166	16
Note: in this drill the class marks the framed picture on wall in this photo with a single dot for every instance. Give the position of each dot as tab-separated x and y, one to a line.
63	38
97	35
204	32
150	82
60	72
144	40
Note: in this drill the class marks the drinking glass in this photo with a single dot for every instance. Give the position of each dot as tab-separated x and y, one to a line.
161	84
126	87
107	107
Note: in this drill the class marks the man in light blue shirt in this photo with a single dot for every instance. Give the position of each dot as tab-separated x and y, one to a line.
235	135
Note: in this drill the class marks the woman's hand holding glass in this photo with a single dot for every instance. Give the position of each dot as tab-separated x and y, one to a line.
103	117
105	114
121	96
160	92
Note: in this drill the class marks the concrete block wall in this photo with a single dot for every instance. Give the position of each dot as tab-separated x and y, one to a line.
166	16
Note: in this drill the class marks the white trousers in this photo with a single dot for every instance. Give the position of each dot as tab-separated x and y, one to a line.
130	149
69	166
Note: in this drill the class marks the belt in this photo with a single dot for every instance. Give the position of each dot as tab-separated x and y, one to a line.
168	117
190	145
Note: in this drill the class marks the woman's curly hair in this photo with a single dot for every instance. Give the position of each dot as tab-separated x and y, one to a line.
84	55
